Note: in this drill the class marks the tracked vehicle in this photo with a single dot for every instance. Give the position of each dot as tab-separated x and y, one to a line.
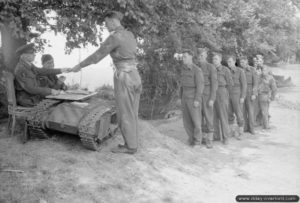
92	119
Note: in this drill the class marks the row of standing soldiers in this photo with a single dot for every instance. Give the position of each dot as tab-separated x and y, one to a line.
213	96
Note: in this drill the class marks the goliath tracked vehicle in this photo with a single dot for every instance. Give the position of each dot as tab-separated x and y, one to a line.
78	113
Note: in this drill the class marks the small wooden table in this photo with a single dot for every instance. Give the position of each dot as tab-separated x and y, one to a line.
73	95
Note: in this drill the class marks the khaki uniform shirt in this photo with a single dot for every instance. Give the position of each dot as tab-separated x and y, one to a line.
121	45
239	81
252	80
224	77
192	83
26	82
267	85
210	79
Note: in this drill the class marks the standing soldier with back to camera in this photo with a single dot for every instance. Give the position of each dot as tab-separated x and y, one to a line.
192	84
209	94
267	90
236	97
222	98
122	46
248	108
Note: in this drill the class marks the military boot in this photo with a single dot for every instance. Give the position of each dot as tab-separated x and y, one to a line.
209	140
198	141
225	140
240	133
232	131
204	138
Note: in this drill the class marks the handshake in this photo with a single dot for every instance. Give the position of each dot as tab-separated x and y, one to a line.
74	69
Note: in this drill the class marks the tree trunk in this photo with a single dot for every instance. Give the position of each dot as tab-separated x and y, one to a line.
9	47
8	61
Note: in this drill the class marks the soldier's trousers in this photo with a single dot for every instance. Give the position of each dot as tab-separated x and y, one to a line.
207	115
128	88
221	126
235	108
248	111
263	101
257	113
191	119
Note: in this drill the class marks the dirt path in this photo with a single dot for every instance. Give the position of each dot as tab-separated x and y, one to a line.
164	170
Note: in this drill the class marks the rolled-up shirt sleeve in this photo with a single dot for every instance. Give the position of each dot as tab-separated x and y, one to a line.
106	47
46	71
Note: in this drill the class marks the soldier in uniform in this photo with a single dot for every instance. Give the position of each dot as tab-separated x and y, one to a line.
266	93
122	47
28	90
225	83
257	111
192	85
236	96
209	94
51	81
248	108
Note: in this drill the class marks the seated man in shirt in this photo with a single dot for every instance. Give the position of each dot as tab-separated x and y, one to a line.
51	81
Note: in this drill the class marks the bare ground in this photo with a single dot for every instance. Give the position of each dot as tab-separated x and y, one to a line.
165	169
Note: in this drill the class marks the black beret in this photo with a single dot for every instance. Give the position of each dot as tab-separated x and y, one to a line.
243	58
27	48
217	54
114	14
201	50
46	57
228	56
187	50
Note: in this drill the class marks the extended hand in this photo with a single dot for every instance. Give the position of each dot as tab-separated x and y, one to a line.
76	68
196	104
253	97
242	100
66	70
210	103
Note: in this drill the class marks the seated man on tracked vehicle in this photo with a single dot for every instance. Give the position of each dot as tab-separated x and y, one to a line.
28	90
51	81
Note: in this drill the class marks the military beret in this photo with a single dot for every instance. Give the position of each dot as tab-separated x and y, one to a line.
231	56
27	48
187	50
217	54
46	57
201	50
114	14
243	58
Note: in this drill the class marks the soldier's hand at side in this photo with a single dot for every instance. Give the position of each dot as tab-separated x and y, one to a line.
210	103
196	104
242	100
253	97
55	92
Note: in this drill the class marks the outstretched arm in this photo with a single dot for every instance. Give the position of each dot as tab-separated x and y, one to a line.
106	47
